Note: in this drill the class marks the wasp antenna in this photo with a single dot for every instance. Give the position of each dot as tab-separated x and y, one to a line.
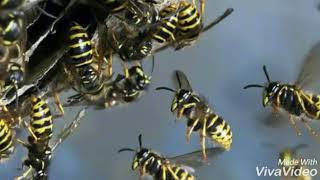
46	13
152	64
266	73
126	149
140	140
253	85
218	19
17	97
165	88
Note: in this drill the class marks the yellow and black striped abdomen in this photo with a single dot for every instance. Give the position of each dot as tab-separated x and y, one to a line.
80	48
166	30
41	119
219	131
188	18
6	137
176	172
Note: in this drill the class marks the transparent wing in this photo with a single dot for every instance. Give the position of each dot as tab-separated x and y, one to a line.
276	120
309	77
194	159
182	80
66	132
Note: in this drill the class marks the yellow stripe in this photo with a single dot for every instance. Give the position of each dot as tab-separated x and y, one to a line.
7	43
6	138
77	27
82	55
8	28
171	25
86	62
186	11
4	2
6	147
213	121
40	113
38	105
41	121
158	37
43	129
78	35
189	19
3	130
86	43
168	32
191	26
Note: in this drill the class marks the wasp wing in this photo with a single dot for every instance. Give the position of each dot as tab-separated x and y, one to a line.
309	77
194	159
182	79
66	132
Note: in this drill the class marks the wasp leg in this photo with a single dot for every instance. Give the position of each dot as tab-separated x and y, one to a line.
125	69
186	106
294	124
5	110
24	144
203	133
190	130
30	131
58	103
310	129
164	172
109	63
172	173
68	130
25	174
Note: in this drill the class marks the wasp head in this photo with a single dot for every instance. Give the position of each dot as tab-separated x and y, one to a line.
270	89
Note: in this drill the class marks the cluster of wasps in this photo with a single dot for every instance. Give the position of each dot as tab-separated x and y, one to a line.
82	60
37	64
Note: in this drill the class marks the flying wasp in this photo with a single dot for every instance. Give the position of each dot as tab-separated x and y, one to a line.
159	167
299	104
289	155
40	133
200	117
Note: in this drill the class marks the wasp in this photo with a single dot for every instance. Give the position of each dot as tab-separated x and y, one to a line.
200	117
124	88
289	155
127	88
40	133
159	167
298	103
80	48
131	48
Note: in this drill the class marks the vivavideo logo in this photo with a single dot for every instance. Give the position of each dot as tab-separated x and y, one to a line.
293	168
